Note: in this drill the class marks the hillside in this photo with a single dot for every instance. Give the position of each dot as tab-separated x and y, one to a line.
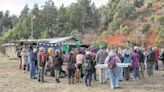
118	23
146	29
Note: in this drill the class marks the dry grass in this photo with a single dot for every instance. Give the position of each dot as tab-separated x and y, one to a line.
13	80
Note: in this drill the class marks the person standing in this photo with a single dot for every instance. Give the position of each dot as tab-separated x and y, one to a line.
135	64
162	57
79	61
57	63
156	58
24	57
35	59
100	59
71	67
93	54
41	64
20	58
141	61
87	67
127	59
113	70
31	63
150	61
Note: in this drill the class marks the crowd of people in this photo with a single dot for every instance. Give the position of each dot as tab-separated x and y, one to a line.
81	63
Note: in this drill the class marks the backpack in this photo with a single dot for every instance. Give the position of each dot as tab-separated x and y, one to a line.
56	62
112	62
71	63
87	64
18	54
151	57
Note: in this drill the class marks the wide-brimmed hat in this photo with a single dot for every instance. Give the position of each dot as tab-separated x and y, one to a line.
41	49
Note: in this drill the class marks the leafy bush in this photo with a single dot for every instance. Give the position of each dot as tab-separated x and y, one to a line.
138	3
115	25
161	20
126	30
146	27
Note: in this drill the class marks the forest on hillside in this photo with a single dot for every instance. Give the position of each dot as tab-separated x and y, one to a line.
118	20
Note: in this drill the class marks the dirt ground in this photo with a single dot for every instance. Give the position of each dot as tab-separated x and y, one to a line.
14	80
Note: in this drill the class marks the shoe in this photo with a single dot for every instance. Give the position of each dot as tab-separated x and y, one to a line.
34	78
118	87
38	80
57	80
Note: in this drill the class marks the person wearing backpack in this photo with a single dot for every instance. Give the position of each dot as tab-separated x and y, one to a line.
41	64
87	67
57	63
71	67
113	71
150	61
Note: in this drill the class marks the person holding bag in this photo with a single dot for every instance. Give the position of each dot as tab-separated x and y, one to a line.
113	70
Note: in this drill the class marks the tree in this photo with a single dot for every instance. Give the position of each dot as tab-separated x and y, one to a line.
25	11
86	14
62	20
48	17
138	3
73	13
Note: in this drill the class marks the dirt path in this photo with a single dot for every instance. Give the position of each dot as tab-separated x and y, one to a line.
14	80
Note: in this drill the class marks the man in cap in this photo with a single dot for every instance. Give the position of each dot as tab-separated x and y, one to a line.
100	59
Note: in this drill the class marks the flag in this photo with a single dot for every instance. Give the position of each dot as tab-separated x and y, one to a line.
65	47
33	17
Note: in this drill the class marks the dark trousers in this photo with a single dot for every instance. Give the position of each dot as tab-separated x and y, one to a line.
94	74
24	67
41	74
156	65
79	66
150	68
88	79
20	63
71	76
126	73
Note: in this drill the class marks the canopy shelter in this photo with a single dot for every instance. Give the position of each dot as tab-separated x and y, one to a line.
65	43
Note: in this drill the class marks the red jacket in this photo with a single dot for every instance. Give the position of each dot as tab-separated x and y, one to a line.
156	54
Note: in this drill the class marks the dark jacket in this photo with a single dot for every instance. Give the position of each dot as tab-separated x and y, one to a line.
87	72
141	57
151	57
57	62
71	62
101	56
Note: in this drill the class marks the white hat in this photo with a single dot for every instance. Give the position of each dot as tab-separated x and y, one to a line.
135	47
41	48
88	52
34	50
111	53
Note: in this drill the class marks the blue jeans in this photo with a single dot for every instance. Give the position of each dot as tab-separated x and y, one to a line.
41	74
114	76
32	69
94	74
121	73
136	72
88	79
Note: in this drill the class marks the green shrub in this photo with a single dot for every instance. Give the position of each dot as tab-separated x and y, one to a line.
126	30
146	27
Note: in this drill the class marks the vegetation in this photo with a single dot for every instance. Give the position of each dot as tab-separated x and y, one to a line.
82	17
